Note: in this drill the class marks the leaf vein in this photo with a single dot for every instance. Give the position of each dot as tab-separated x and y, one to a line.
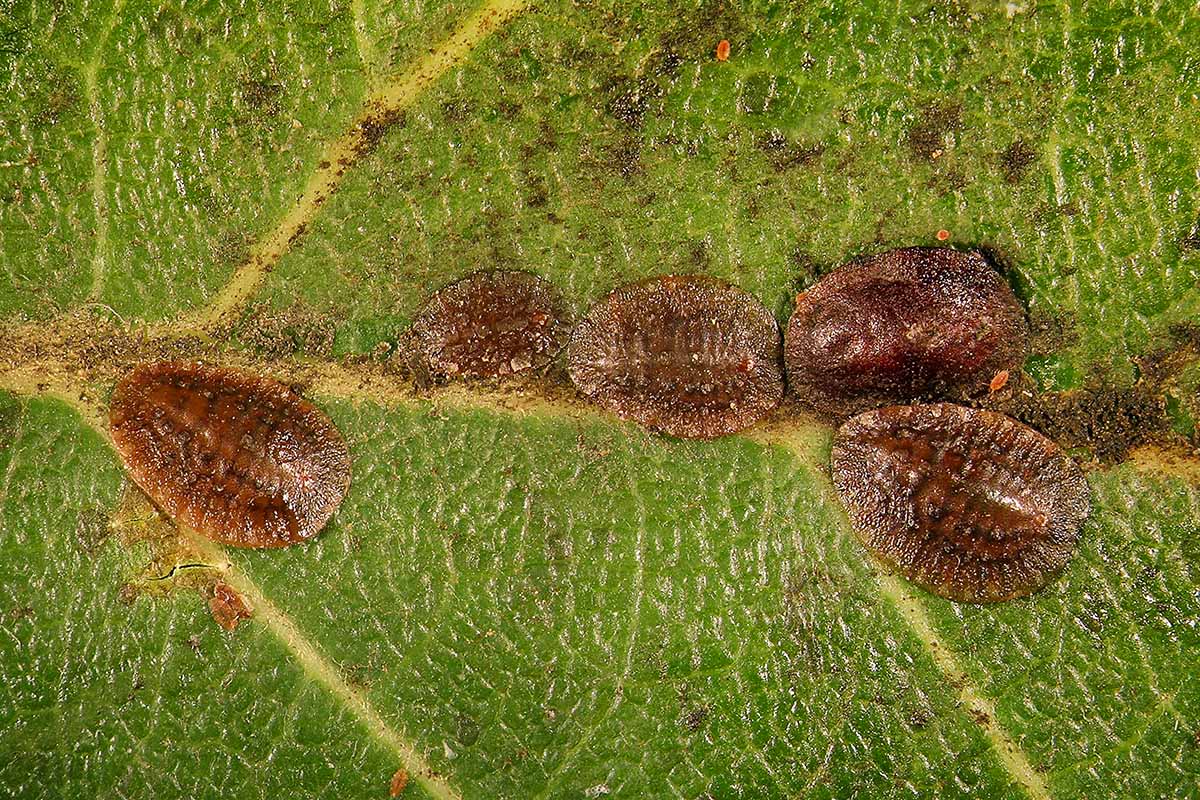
99	154
380	107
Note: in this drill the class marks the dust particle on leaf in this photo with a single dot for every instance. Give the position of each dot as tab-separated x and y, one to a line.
373	126
627	98
920	718
262	92
457	110
695	718
784	154
58	97
1191	241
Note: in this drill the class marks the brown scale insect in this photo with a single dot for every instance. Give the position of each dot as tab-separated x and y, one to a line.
908	323
971	505
239	458
490	324
685	354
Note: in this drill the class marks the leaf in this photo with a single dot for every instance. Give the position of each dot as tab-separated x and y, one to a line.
521	597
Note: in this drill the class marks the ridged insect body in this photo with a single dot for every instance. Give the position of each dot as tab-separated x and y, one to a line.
688	355
490	324
970	504
240	458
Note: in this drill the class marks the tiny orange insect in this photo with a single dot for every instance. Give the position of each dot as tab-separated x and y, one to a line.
999	381
943	235
723	50
399	782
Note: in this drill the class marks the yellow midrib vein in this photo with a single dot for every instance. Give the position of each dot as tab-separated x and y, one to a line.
380	106
977	705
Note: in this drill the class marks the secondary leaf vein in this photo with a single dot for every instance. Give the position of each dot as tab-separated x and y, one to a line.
318	668
381	107
91	89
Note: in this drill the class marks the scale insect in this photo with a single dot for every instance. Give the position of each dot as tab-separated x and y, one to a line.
688	355
906	324
490	324
239	458
969	504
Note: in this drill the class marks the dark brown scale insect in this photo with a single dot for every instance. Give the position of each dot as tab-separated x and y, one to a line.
240	458
971	505
908	323
491	324
685	354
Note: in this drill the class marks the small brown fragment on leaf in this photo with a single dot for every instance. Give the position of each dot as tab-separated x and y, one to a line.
399	782
228	607
1016	160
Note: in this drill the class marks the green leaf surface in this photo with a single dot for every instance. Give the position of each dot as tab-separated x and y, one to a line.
522	598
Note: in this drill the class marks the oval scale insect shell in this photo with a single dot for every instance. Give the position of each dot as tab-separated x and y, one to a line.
490	324
908	323
239	458
685	354
969	504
